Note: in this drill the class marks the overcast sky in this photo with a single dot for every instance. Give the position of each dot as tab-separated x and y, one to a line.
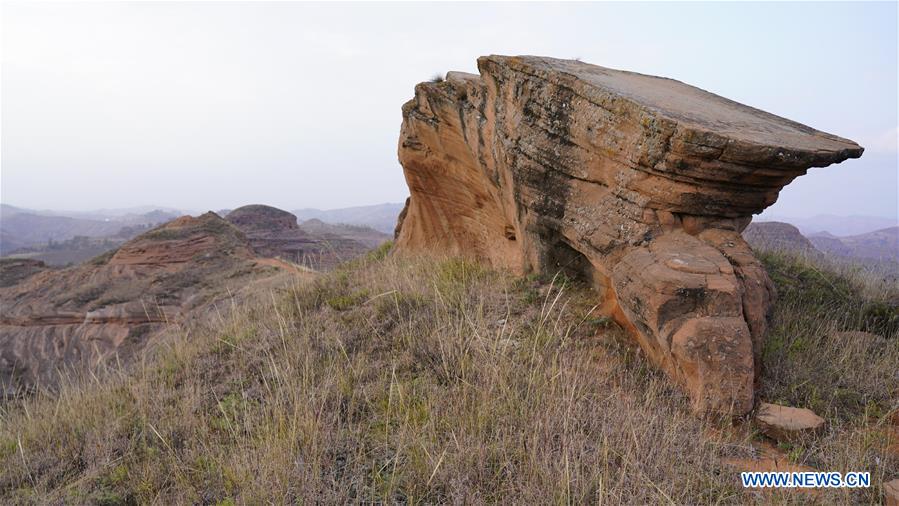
214	105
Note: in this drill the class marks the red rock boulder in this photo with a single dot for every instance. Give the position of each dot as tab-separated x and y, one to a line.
639	184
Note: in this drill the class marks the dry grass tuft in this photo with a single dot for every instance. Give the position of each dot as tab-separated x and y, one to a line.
851	381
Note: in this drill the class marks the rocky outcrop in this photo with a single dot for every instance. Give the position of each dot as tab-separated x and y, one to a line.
777	236
636	183
261	218
275	233
69	320
107	309
184	240
15	270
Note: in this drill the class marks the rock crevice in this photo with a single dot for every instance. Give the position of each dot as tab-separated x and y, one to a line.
641	184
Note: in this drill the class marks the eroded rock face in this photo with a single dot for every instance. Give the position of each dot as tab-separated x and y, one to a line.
275	233
637	183
108	309
59	321
15	270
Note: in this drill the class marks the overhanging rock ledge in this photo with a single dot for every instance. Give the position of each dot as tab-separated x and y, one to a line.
639	184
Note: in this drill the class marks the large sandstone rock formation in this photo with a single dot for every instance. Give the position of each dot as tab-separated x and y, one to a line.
638	183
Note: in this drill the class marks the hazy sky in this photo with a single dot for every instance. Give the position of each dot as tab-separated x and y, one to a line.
214	105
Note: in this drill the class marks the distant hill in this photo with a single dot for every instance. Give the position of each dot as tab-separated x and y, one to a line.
363	234
9	242
837	225
24	229
65	240
8	210
69	252
275	233
114	305
877	245
32	232
876	252
135	213
777	236
830	244
381	217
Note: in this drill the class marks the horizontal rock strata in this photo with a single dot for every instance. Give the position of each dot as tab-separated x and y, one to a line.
59	322
273	233
637	183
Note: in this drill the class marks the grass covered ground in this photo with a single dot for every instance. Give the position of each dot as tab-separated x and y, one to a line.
426	381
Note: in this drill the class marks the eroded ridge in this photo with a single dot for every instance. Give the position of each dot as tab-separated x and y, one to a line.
639	184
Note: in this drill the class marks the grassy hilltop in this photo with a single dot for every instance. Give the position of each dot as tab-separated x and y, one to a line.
423	381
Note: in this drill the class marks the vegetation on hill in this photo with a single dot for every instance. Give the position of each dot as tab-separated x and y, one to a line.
411	380
834	348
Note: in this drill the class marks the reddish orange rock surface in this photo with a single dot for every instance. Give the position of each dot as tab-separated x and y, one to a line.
104	311
110	308
639	184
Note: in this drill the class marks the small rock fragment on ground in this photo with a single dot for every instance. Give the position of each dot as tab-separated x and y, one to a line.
891	493
785	423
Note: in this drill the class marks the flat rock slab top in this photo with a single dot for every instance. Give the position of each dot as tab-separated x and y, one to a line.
691	107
